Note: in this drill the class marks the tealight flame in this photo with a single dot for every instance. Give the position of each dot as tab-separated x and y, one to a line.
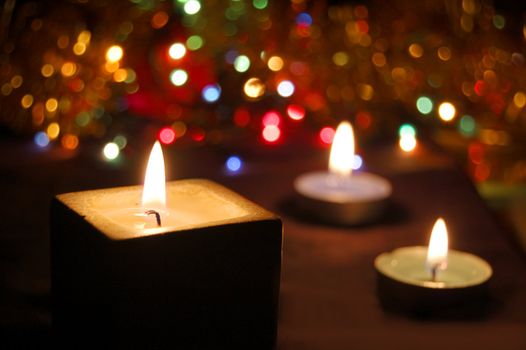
342	150
438	246
154	191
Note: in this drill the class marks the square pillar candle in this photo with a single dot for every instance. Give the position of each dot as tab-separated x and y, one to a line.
197	266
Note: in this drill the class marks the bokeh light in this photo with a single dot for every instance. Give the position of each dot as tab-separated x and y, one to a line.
296	112
233	164
407	143
271	118
194	42
178	77
191	7
211	93
467	125
41	139
111	151
241	63
121	141
304	19
285	88
70	141
114	54
326	135
275	63
424	105
177	51
53	130
166	136
271	133
254	88
407	130
446	111
357	162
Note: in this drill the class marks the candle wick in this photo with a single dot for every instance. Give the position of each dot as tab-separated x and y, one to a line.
434	271
157	216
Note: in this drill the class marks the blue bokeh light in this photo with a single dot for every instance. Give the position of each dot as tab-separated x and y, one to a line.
211	93
234	164
357	162
41	139
304	19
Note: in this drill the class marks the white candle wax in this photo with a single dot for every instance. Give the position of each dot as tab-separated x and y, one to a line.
190	204
408	266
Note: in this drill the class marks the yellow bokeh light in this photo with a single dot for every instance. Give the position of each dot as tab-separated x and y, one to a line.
365	91
51	105
254	88
444	53
111	67
27	101
17	81
379	59
84	37
79	48
6	89
519	99
53	130
68	69
114	54
415	50
47	70
446	111
275	63
120	75
340	58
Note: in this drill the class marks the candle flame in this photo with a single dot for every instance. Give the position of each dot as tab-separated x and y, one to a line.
438	246
342	150
154	191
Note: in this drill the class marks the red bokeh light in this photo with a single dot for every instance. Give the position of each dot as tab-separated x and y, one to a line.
197	134
480	87
241	117
271	133
363	120
296	112
167	136
327	134
271	118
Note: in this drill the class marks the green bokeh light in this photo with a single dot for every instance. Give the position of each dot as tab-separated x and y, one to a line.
407	130
424	105
241	63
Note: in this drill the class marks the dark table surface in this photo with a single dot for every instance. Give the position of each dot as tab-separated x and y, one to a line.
328	292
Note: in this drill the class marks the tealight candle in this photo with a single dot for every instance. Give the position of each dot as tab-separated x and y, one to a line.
188	262
431	277
341	195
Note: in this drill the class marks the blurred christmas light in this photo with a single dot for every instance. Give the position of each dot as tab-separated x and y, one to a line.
47	70
114	54
241	117
327	134
424	105
275	63
271	133
41	139
467	125
51	105
254	88
121	141
285	88
271	118
53	130
166	136
241	63
191	7
446	111
260	4
304	19
111	151
178	77
27	101
407	143
211	93
357	162
179	129
69	141
195	42
177	51
296	112
407	130
233	164
519	99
